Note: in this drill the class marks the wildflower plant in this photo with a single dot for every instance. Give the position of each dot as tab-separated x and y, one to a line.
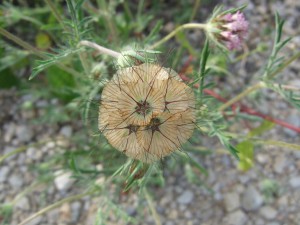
146	114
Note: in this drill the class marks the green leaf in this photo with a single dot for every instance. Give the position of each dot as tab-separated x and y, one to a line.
245	149
8	79
53	59
153	32
73	164
11	56
265	126
62	84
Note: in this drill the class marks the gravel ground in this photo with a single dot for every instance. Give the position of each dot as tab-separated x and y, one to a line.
268	194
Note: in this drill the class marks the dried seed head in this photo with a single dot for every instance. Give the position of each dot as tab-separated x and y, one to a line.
147	112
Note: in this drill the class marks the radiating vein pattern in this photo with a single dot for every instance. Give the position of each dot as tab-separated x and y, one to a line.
147	112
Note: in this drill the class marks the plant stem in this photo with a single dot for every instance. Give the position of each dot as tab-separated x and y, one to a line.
241	95
285	64
100	49
21	149
178	29
20	42
287	87
55	13
152	208
33	50
108	18
195	9
85	64
55	205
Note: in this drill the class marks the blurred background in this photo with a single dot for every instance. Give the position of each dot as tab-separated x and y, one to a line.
48	125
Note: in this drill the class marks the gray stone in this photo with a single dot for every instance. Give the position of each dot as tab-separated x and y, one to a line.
53	216
173	214
8	149
34	153
23	204
251	199
268	212
66	131
186	197
15	181
236	218
63	180
295	120
75	211
232	201
273	223
4	170
169	222
262	158
297	154
295	182
131	211
24	133
280	163
10	130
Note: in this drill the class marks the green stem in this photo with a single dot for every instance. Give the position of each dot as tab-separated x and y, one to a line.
55	205
152	208
127	10
22	43
241	95
284	65
84	63
55	13
25	192
108	17
195	9
33	50
178	29
22	149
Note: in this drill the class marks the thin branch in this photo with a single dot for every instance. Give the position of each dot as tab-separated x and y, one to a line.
285	64
33	50
245	109
152	207
21	43
56	13
100	49
178	29
241	95
55	205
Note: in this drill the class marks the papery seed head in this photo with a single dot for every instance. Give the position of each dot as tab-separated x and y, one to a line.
147	112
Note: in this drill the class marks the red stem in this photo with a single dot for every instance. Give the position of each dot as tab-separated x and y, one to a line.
244	108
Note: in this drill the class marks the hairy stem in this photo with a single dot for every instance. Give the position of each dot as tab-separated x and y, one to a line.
152	207
241	95
21	43
55	205
285	64
22	149
33	50
195	9
178	29
55	12
100	49
108	18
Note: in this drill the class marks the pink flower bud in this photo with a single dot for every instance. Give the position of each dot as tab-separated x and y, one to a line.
232	29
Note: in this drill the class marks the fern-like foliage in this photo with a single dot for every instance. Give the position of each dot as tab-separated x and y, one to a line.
274	61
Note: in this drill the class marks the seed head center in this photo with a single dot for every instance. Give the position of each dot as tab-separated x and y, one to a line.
143	108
